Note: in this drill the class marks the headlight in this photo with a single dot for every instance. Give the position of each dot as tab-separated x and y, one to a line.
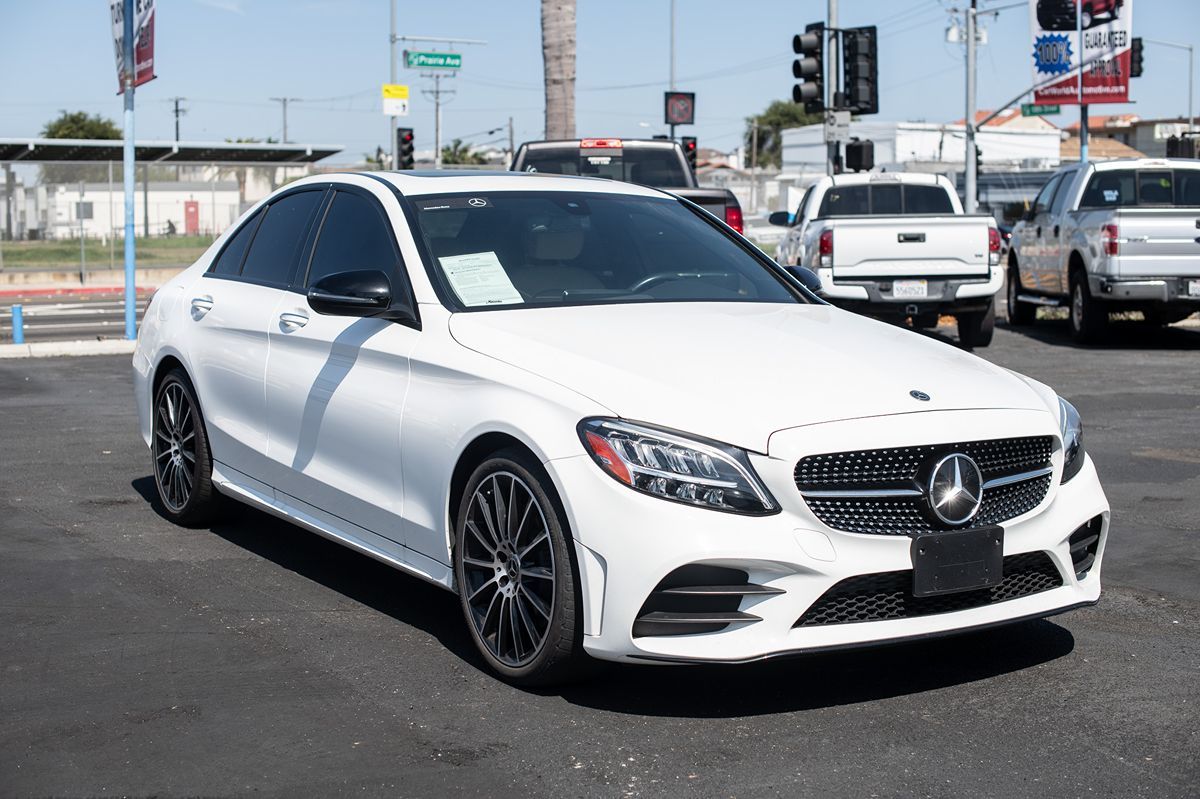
1071	428
668	465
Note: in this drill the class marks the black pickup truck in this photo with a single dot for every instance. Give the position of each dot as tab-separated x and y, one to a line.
649	162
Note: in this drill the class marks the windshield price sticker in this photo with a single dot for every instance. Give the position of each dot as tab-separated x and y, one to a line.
478	278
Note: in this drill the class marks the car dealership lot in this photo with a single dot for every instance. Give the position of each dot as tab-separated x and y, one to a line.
141	658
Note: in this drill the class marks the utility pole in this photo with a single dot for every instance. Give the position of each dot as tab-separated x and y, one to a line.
672	79
284	102
436	94
970	178
392	79
129	66
512	145
82	255
832	79
1083	110
178	113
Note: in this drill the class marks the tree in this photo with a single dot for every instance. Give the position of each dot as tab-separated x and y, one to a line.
459	153
778	117
558	57
242	174
79	125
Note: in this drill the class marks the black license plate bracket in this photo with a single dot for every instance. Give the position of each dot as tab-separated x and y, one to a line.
957	560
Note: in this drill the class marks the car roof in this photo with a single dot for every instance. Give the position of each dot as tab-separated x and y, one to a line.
1145	163
414	183
859	178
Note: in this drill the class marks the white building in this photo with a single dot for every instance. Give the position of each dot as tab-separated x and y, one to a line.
928	147
181	208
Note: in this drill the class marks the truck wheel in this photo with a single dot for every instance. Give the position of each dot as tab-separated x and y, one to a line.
975	329
1089	319
1020	313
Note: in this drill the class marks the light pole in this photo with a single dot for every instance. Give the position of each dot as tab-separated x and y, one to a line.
437	91
1191	73
284	102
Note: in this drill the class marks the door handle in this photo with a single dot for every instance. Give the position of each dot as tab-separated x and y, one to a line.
908	238
1039	231
201	305
292	321
1056	231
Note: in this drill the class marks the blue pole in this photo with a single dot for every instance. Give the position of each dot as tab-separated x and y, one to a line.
18	320
129	164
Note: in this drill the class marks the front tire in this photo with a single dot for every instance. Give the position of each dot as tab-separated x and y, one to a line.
975	329
1089	319
181	456
516	578
1020	314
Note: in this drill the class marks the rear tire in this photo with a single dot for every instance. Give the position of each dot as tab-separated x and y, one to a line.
975	329
180	455
1089	319
517	581
1020	314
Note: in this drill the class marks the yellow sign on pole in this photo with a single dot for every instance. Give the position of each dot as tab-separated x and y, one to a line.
395	100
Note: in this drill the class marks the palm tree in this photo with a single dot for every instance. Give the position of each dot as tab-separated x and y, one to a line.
558	55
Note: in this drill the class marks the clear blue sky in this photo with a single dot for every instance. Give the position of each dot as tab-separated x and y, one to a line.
229	56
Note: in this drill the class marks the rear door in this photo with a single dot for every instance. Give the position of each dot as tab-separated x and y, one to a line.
230	311
336	385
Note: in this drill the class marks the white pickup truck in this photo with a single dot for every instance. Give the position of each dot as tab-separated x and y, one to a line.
897	245
1110	236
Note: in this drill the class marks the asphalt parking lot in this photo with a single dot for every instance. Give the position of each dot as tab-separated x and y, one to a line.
143	659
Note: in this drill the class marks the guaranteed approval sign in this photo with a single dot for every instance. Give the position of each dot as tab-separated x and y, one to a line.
1098	41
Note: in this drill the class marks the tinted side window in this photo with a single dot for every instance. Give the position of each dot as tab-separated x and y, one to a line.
354	235
927	200
1187	187
1155	188
1042	202
1060	197
272	257
229	262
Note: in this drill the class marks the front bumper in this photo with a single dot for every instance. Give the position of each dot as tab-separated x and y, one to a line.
627	542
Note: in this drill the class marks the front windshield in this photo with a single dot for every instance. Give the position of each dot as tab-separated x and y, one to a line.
512	249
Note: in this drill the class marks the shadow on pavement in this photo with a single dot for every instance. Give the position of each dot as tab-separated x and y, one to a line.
1124	334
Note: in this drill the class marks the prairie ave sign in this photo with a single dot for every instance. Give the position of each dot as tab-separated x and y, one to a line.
419	59
1031	110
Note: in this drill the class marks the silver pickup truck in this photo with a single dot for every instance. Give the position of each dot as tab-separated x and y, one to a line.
897	245
1108	237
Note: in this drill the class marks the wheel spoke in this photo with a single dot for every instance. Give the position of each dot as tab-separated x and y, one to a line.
474	530
523	612
483	564
512	511
545	536
487	584
536	601
512	625
521	524
538	572
487	519
500	627
501	511
164	454
187	455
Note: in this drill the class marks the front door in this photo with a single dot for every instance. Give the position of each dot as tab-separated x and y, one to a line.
336	385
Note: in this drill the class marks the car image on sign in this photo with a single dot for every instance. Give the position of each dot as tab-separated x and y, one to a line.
576	406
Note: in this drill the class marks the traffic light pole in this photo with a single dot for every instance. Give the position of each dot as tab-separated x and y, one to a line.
970	178
831	86
1191	73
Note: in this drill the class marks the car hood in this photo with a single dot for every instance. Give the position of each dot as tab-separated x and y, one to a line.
738	372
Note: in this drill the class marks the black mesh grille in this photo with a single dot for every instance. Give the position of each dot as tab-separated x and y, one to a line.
901	468
888	595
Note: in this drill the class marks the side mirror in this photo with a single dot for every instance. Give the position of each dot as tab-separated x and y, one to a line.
807	277
364	293
780	218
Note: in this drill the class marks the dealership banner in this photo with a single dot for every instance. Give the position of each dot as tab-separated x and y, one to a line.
143	40
1101	48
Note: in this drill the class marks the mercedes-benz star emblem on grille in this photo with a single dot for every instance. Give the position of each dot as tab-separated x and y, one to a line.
955	489
477	202
919	395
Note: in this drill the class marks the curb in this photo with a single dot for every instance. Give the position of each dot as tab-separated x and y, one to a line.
50	349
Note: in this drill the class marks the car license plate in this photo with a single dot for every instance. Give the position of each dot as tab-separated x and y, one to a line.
959	560
910	288
1193	288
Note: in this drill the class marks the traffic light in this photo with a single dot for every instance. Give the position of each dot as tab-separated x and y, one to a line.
810	68
860	70
404	148
689	150
860	155
1135	57
978	160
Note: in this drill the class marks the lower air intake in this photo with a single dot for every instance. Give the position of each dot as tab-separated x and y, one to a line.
888	595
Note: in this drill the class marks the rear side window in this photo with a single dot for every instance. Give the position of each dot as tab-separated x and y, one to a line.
1155	188
229	262
353	236
276	247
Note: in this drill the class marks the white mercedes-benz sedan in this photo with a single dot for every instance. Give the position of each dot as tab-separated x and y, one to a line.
609	423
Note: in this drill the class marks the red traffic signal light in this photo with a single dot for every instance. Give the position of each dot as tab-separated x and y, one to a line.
689	150
404	148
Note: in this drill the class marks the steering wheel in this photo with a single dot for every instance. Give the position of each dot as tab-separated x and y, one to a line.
650	281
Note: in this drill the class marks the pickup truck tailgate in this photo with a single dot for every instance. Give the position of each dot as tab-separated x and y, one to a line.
910	246
1160	242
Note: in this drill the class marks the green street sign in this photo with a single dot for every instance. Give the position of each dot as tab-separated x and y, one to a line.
418	59
1031	110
